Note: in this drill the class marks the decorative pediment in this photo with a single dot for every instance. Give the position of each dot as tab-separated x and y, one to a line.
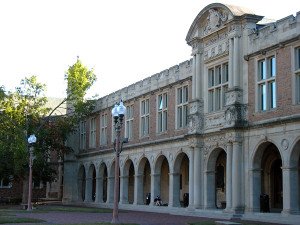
212	18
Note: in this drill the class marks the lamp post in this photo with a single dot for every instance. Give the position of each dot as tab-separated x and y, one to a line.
31	141
118	113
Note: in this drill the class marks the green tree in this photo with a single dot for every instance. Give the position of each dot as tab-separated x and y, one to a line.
24	112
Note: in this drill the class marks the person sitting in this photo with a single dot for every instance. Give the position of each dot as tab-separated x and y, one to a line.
158	201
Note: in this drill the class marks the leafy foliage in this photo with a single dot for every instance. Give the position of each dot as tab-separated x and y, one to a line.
24	112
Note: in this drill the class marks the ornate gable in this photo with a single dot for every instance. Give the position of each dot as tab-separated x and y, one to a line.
213	18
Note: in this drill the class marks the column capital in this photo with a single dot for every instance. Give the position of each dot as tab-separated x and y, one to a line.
284	168
155	174
209	172
174	174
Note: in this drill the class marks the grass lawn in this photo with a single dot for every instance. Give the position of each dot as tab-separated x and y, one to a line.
213	223
60	209
19	220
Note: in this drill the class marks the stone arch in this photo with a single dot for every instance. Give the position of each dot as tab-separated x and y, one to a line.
91	183
143	186
267	176
161	178
292	177
111	183
81	182
215	179
180	186
127	182
102	182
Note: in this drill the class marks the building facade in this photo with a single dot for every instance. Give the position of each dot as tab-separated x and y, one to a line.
212	134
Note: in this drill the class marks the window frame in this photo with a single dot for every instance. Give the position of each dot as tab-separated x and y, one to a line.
162	112
9	185
296	75
93	131
82	135
266	84
103	129
182	104
129	122
218	82
145	117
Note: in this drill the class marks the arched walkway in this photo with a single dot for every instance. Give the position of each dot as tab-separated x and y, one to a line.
215	180
101	195
143	182
91	184
291	178
161	179
180	178
111	184
267	177
127	183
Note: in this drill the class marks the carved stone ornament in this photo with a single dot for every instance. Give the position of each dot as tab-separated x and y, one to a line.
214	20
284	144
171	157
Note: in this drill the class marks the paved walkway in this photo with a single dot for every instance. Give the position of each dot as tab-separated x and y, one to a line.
138	217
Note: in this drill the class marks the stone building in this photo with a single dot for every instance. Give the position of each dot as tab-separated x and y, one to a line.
213	133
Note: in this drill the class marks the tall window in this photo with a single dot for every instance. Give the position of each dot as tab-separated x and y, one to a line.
217	87
103	131
297	73
129	122
145	117
93	133
162	112
5	183
182	107
82	131
267	84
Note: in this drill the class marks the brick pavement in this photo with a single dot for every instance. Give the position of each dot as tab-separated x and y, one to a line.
139	217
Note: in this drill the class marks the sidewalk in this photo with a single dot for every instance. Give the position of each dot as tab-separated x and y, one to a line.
139	217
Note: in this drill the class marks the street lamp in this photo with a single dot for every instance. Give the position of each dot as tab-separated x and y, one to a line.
31	141
118	113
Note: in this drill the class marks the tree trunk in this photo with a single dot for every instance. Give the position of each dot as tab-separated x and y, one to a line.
25	190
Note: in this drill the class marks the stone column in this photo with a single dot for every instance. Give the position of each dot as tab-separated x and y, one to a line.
237	177
194	78
174	190
255	189
209	190
198	77
88	190
99	190
198	201
230	63
138	190
155	187
110	189
236	62
290	190
191	179
123	189
229	177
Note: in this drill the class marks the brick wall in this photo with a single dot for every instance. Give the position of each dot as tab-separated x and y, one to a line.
284	73
153	135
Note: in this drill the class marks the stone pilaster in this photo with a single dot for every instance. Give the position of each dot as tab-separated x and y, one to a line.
290	191
123	189
196	117
138	190
99	190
